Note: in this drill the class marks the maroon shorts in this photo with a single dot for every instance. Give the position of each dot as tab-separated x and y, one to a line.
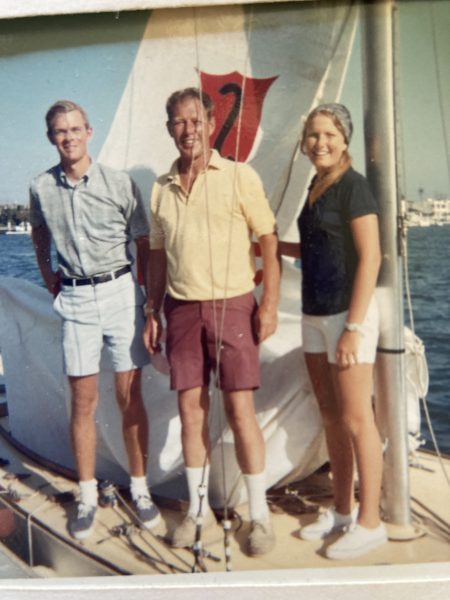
214	336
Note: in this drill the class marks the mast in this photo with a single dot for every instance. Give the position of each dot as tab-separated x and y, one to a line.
379	129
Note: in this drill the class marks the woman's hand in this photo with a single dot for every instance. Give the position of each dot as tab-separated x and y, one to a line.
347	349
291	249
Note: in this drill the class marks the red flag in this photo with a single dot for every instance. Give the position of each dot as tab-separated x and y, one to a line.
235	103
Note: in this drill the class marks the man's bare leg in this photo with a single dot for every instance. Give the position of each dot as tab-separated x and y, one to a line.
135	435
250	454
82	424
248	438
193	405
134	420
83	436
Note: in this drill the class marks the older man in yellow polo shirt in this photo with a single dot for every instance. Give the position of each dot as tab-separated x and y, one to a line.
204	215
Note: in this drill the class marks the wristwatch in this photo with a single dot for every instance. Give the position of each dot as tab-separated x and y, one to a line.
353	327
148	310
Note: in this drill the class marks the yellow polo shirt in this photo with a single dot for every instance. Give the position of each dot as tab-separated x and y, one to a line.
207	234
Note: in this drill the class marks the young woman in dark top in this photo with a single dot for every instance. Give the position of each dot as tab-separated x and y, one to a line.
341	256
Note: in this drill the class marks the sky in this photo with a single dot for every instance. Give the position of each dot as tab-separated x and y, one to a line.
88	58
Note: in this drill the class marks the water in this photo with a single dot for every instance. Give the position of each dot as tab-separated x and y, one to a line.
17	258
429	276
430	284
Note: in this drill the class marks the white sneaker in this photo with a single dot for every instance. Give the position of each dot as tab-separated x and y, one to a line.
327	523
357	541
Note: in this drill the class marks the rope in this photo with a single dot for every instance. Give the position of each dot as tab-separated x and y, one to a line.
197	548
130	511
397	85
218	320
127	529
226	522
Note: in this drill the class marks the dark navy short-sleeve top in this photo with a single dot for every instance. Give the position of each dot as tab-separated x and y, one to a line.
328	253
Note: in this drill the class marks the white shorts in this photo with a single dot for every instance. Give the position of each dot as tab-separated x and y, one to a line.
321	334
109	314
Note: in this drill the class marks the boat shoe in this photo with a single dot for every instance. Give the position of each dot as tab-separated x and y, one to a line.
82	524
184	534
146	511
328	522
261	538
356	541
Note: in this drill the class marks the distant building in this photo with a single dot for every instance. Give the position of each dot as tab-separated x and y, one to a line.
428	212
441	210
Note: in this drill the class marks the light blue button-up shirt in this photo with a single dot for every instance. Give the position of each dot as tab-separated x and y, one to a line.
91	222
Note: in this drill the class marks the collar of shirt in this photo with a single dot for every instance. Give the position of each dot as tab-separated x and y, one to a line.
215	162
61	174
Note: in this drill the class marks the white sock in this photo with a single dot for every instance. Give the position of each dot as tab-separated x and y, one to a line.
256	491
195	476
139	487
88	492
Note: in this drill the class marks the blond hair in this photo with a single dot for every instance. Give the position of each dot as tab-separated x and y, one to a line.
320	185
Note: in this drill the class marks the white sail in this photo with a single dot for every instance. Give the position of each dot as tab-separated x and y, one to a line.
306	48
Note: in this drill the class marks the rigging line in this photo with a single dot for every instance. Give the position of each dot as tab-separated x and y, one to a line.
439	85
199	564
191	166
398	125
239	122
219	329
129	510
233	202
221	326
126	532
197	548
226	520
205	161
238	139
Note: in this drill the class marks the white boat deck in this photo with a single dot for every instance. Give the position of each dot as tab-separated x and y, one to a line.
144	552
118	546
